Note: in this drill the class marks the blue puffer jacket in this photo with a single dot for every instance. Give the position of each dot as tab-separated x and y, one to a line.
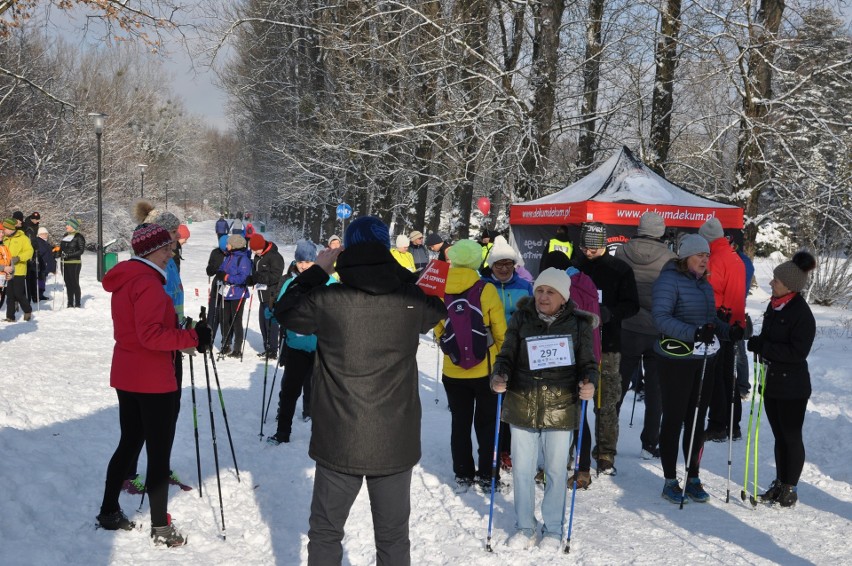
511	292
682	304
237	269
304	342
174	288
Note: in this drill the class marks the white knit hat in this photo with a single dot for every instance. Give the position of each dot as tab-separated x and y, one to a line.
402	241
501	250
555	278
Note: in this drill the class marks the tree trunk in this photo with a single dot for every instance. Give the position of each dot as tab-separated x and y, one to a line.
591	80
662	99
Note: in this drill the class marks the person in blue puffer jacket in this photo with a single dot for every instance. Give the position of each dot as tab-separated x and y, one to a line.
684	312
235	275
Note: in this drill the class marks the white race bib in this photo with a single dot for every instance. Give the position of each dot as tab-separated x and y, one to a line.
710	349
260	287
550	352
224	290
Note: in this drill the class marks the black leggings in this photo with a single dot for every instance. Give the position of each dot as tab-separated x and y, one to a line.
679	381
471	403
16	294
71	273
787	417
232	324
297	376
145	418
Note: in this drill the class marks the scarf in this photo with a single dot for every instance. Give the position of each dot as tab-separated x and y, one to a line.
778	303
549	318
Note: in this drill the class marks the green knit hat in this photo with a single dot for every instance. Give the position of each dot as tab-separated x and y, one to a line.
74	223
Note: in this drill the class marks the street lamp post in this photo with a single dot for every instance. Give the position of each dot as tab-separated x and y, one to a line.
167	194
142	167
98	120
184	202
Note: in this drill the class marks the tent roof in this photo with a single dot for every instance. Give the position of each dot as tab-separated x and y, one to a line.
625	178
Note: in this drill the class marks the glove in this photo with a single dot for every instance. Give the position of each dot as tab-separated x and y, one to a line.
736	333
249	281
587	391
706	333
499	382
755	344
220	276
205	337
267	313
606	315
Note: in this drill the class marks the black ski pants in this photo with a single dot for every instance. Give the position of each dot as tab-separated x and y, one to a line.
472	403
679	387
144	418
787	417
232	324
71	274
297	377
16	294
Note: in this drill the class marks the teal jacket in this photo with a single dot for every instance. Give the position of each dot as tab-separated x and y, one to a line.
304	342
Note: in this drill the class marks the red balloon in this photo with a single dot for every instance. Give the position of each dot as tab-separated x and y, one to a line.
484	205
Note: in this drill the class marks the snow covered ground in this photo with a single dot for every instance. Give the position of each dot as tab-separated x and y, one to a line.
59	426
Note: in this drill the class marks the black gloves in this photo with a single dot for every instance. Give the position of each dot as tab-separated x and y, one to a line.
755	344
606	315
205	337
220	276
736	333
706	333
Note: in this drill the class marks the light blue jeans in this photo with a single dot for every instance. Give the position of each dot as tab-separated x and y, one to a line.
526	445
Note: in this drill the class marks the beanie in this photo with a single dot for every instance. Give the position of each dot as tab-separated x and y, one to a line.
183	232
236	242
74	223
223	242
692	244
167	220
593	235
334	238
10	224
18	215
555	259
306	251
794	273
555	278
367	229
149	238
257	242
42	230
35	216
501	250
712	230
465	253
652	225
433	239
414	235
402	241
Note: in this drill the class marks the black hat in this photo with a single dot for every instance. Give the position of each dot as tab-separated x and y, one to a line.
35	216
433	239
18	215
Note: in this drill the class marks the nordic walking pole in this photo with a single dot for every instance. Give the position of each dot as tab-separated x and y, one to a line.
598	416
754	388
213	432
227	335
437	369
494	471
195	424
281	343
637	373
731	432
224	412
583	405
757	430
265	373
694	424
245	331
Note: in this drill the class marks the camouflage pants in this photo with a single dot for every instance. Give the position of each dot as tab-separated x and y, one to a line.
606	429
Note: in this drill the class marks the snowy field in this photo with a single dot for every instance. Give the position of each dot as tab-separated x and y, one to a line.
59	426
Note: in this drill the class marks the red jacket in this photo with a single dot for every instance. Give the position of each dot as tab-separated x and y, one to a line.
145	330
727	277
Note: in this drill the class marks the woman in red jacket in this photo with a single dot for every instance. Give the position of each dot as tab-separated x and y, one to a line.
146	336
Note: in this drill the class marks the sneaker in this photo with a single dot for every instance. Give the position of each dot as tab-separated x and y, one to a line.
523	539
550	544
506	461
278	438
715	435
650	452
788	495
235	354
745	395
7	319
225	350
167	535
672	492
605	467
772	493
738	435
463	484
540	478
584	480
695	491
115	521
28	316
134	486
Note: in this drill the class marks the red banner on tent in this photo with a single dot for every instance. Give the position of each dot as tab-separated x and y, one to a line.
433	280
624	214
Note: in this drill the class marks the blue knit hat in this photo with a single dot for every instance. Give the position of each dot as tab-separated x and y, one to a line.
367	229
306	251
223	242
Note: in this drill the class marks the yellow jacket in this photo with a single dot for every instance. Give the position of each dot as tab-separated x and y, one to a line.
405	259
459	280
19	247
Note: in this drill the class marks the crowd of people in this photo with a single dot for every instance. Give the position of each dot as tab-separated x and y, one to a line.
665	316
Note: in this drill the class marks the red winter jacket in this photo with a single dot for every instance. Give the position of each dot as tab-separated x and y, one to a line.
145	330
727	277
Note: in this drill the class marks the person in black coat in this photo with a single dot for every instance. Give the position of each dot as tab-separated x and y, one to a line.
267	272
366	403
214	305
783	345
72	247
33	269
46	262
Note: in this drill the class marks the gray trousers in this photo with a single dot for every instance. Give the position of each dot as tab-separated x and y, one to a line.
334	494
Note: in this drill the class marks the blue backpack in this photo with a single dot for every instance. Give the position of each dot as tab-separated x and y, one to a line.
466	338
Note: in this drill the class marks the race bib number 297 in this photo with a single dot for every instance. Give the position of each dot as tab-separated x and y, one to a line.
550	352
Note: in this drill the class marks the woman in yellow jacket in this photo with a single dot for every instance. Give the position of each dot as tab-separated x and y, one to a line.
401	254
20	252
468	392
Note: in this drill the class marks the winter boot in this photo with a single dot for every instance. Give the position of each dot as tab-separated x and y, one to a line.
787	496
115	521
772	493
28	315
278	438
584	480
672	492
695	491
167	535
506	461
606	467
649	452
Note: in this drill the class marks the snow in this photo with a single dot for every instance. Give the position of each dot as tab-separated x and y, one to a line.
59	426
